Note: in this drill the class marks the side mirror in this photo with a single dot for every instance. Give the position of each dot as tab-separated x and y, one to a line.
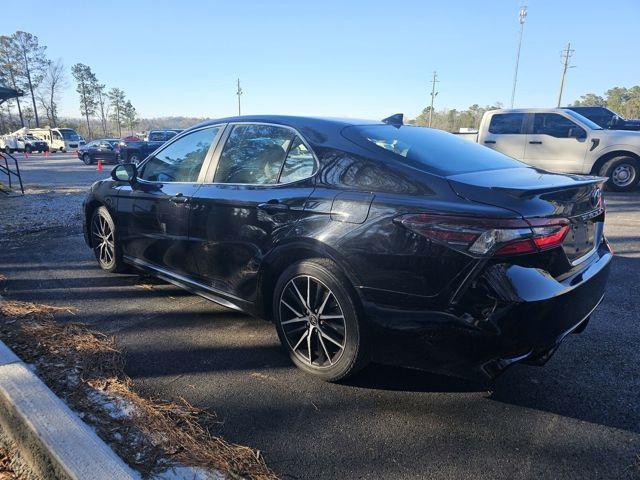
577	133
126	172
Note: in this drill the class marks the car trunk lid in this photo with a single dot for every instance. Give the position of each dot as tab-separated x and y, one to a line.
534	193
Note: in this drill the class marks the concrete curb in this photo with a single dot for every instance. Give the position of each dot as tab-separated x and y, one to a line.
51	438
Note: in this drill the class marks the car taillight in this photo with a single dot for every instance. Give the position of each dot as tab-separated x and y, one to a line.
488	236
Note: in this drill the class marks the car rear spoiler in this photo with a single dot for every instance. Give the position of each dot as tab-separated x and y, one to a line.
579	181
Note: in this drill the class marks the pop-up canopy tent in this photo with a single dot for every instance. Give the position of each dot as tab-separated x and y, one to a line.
8	94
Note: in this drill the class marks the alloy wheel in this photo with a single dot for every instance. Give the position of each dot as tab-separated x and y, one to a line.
312	321
623	175
135	159
102	239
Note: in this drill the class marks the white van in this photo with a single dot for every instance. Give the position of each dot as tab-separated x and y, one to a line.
59	139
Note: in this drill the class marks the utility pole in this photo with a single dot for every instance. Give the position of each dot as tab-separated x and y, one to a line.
567	53
433	95
523	16
239	92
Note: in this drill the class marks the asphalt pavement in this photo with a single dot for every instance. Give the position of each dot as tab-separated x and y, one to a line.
576	417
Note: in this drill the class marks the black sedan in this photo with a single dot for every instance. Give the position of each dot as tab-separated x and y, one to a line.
105	149
363	240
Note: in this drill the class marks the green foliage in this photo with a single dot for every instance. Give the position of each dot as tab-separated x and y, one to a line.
130	115
622	100
31	63
86	80
453	120
116	101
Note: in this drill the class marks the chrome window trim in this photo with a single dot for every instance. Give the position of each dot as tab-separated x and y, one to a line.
216	158
205	163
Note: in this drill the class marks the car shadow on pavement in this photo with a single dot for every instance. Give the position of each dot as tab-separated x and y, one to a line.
168	333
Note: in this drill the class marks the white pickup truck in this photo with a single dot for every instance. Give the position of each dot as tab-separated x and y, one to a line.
561	140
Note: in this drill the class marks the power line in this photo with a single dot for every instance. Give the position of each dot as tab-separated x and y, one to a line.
522	16
433	94
238	93
567	53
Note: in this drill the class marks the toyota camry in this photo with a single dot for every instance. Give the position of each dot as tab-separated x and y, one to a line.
363	240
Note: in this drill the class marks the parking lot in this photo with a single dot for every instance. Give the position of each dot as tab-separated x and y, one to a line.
576	417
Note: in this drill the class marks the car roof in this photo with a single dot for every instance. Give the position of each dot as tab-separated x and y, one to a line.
297	122
527	110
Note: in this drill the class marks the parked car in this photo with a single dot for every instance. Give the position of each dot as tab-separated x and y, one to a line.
363	240
134	150
607	118
561	140
160	135
106	150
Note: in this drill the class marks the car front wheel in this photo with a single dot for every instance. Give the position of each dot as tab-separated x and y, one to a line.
103	241
134	158
86	159
317	319
623	173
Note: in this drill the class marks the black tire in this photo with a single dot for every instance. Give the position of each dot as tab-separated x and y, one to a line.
86	158
623	173
134	158
353	334
104	239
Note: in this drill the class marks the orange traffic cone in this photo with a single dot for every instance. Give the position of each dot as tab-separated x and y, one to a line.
99	167
46	153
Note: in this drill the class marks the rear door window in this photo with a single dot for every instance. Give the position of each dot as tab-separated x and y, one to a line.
253	154
507	123
300	163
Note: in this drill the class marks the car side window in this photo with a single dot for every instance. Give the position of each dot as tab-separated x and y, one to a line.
507	123
299	163
181	160
556	126
253	154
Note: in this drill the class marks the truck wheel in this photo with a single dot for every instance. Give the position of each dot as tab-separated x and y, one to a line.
623	173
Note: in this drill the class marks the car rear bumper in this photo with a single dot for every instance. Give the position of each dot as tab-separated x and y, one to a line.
532	313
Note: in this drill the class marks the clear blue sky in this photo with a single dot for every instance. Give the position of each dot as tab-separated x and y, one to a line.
337	58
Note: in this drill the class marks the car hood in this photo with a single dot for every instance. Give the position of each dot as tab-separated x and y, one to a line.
629	137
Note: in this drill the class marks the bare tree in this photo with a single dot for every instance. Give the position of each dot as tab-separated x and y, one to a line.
33	63
53	82
9	67
85	80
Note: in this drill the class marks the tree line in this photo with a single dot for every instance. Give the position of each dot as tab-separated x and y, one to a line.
624	101
24	66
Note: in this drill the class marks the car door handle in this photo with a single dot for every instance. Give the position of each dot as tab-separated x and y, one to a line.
179	198
535	142
489	141
273	206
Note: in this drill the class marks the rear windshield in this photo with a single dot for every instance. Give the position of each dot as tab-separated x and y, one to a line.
429	149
